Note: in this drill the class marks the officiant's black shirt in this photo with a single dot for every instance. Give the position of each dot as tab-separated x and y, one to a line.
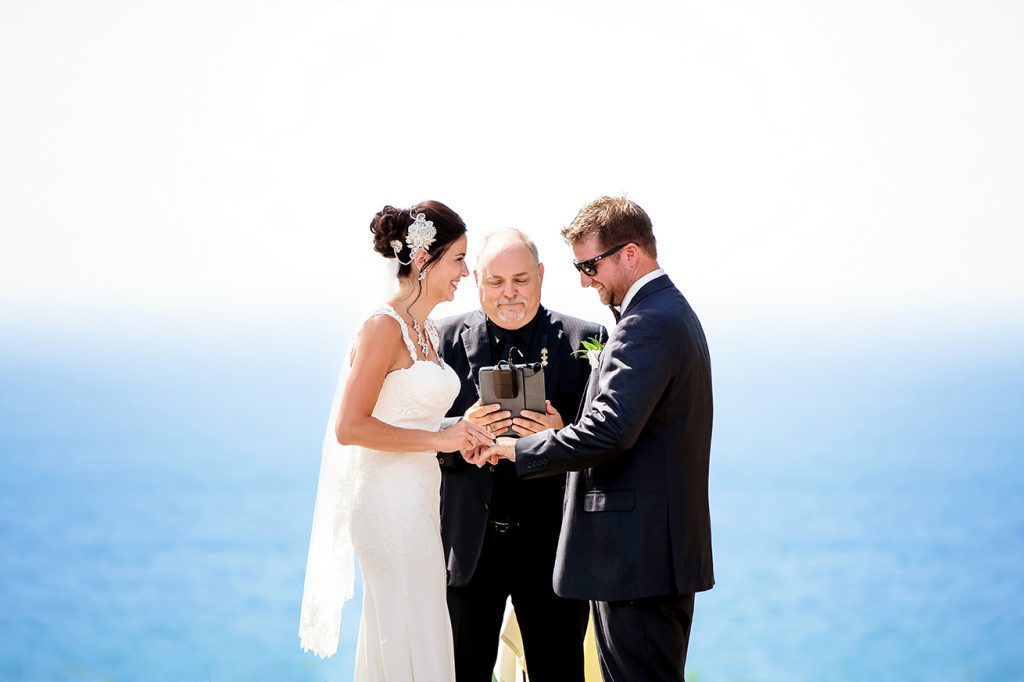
504	502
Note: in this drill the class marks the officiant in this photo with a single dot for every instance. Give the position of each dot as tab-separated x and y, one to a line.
500	533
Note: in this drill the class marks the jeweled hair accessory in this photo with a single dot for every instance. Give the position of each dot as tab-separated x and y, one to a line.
419	238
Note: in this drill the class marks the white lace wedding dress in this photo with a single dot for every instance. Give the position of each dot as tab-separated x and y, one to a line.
389	514
405	633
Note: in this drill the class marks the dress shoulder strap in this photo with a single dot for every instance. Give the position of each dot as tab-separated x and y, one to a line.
390	312
435	340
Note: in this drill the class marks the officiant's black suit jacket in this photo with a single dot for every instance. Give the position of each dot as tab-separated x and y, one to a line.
636	522
466	489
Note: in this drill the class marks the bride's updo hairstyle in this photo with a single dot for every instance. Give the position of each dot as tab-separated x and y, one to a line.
391	224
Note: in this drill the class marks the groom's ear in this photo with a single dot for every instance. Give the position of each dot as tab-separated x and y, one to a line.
540	273
631	252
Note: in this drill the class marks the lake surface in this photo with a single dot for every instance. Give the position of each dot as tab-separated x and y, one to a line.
157	492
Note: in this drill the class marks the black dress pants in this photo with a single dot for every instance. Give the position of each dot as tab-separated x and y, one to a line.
517	563
644	640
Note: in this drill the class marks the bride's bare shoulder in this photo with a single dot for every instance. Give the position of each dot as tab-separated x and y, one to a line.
378	340
380	329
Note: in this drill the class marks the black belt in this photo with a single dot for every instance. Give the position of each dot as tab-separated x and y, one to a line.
503	526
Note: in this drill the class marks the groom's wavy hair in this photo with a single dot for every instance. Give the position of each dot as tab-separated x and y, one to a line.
614	221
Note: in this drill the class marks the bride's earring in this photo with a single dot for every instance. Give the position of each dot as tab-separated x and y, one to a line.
423	274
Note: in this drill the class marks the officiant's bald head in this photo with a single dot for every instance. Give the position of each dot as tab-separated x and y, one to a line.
509	276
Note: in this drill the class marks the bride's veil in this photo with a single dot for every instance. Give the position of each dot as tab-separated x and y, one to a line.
330	564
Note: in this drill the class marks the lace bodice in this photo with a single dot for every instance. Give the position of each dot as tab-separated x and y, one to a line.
418	396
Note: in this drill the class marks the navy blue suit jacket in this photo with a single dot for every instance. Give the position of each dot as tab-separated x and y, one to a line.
636	522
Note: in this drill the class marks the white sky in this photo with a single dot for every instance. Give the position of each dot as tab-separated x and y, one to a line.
225	157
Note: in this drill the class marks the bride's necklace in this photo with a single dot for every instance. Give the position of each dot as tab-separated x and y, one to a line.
421	338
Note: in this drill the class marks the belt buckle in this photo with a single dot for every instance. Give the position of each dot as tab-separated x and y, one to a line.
502	526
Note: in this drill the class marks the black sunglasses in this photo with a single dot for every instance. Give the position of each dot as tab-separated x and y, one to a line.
587	266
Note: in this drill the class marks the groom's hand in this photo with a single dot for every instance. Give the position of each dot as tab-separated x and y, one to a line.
530	422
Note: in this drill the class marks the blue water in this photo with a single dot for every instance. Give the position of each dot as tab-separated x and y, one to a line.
157	488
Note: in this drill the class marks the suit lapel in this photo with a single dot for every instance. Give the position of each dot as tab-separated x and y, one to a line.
655	285
478	347
588	391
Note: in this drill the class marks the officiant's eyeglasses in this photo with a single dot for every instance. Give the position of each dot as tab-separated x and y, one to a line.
587	266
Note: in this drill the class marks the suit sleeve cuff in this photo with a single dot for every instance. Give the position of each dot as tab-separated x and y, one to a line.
530	458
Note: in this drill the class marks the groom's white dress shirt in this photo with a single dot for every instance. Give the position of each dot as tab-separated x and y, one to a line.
637	286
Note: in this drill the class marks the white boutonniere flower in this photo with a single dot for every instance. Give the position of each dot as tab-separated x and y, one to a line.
591	350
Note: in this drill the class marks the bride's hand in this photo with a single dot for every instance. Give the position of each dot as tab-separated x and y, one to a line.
463	437
477	458
503	448
481	456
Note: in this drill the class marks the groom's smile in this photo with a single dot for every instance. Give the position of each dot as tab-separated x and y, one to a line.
606	277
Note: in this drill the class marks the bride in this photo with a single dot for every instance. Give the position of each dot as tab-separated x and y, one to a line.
378	494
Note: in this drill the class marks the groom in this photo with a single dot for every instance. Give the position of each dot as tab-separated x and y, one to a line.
636	533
